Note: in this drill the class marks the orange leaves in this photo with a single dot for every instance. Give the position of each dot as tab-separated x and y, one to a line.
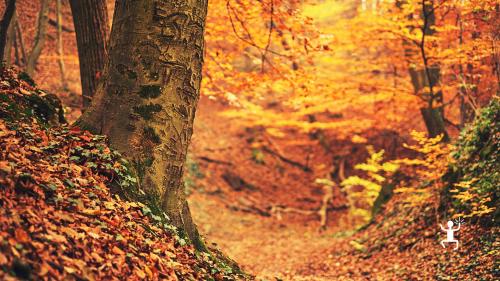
117	251
3	259
21	235
54	237
60	220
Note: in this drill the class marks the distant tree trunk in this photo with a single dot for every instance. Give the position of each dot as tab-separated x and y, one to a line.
90	18
147	100
427	78
10	39
60	51
10	8
41	32
20	44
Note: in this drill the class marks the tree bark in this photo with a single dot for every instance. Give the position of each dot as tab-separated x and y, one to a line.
10	7
20	42
60	50
9	40
90	18
147	100
427	76
43	18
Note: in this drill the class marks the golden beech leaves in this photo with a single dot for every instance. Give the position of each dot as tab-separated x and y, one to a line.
429	167
377	172
280	62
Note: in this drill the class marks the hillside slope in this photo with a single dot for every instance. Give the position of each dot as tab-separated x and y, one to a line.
59	217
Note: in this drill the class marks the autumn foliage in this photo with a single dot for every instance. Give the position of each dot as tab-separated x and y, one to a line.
330	140
59	218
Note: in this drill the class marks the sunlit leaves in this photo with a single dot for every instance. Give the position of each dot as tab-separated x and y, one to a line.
377	172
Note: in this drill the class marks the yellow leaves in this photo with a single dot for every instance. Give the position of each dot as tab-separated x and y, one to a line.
466	192
69	270
96	257
323	181
390	167
4	131
140	273
405	190
377	171
54	237
435	156
357	246
109	205
275	132
71	232
91	212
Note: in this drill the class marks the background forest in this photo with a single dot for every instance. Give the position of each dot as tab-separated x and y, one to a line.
331	139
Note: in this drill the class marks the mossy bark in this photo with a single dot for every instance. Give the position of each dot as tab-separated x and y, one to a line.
147	100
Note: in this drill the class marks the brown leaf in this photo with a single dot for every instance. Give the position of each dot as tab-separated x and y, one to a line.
91	212
44	269
21	236
3	259
69	270
4	166
97	258
54	237
140	273
118	251
70	232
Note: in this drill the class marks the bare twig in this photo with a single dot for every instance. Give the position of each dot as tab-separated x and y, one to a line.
216	161
249	41
63	27
271	25
286	160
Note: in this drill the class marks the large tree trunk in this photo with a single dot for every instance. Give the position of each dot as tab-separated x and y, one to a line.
10	8
147	100
90	18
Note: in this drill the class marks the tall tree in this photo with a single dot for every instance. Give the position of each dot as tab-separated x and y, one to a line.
90	18
430	77
147	98
10	40
426	77
10	8
60	50
39	41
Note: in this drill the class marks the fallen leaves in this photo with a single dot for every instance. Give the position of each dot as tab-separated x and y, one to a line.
21	236
59	220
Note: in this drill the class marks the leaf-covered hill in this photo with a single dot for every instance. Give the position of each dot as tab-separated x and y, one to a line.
59	218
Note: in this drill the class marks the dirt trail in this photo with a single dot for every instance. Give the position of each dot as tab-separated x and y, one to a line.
266	246
263	246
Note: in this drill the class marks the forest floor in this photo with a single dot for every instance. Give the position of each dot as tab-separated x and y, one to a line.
59	219
238	217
